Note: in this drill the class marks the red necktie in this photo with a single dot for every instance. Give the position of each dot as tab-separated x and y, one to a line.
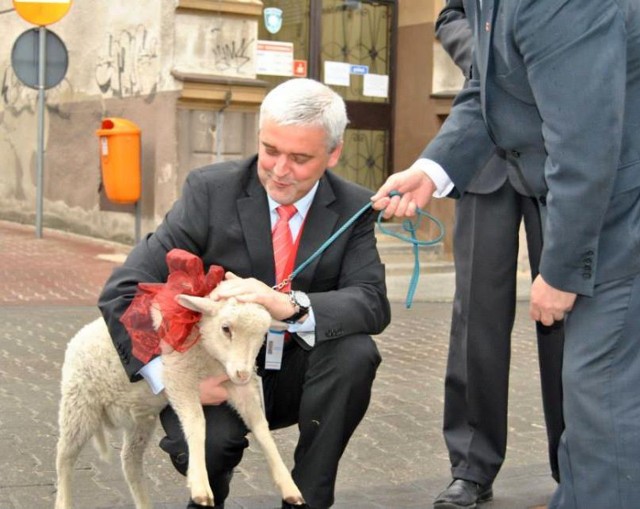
283	242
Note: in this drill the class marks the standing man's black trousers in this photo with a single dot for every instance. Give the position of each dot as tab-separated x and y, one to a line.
486	241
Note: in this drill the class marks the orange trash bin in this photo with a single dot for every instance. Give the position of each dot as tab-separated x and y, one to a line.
120	159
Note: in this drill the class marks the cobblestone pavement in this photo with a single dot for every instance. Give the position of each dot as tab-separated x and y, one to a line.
396	460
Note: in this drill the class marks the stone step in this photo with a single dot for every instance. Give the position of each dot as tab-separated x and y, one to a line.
403	252
406	268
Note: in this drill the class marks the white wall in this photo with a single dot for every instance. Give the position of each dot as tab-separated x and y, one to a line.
121	54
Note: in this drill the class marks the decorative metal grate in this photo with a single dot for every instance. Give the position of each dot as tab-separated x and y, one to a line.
363	158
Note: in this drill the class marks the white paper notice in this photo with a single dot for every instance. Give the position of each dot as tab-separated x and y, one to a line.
274	58
375	85
337	73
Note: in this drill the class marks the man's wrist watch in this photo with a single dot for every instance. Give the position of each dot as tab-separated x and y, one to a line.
301	303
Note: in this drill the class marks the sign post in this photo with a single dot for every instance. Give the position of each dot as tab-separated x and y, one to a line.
41	13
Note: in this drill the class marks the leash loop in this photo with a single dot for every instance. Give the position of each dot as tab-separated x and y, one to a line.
412	228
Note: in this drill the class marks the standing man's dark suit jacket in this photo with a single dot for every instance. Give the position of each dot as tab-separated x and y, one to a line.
454	32
223	216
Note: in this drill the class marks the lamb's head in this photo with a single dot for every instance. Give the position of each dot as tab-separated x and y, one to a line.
232	332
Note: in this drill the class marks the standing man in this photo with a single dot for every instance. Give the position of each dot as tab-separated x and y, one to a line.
485	250
557	87
226	215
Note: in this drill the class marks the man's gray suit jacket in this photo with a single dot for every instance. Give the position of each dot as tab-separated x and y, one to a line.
567	114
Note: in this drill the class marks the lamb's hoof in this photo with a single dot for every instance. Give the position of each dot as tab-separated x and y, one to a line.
294	499
288	505
193	505
205	500
290	492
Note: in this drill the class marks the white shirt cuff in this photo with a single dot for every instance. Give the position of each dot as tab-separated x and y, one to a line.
306	330
444	185
152	373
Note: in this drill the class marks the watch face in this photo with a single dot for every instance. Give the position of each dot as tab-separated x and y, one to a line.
302	299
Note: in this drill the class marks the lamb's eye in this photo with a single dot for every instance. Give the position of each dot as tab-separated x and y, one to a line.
227	330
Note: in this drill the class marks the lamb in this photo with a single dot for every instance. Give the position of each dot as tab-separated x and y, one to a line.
96	394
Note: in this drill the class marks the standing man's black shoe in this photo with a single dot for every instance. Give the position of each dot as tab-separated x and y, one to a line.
462	494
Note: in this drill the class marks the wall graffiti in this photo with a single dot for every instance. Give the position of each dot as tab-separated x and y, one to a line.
129	67
232	54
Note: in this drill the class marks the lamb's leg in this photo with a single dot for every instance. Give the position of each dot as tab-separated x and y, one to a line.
193	425
184	395
77	423
133	447
66	457
246	400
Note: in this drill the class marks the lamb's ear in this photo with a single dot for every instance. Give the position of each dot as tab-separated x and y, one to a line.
200	304
277	325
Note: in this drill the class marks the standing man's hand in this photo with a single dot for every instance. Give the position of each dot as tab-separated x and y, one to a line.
415	188
549	304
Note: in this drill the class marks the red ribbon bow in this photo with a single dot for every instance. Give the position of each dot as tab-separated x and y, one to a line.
186	276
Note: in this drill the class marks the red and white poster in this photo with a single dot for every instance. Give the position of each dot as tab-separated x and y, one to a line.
274	58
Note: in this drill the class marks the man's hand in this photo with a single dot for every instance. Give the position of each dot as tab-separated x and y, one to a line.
252	290
415	188
212	392
548	304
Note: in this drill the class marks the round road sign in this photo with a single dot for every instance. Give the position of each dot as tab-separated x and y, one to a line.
25	58
42	12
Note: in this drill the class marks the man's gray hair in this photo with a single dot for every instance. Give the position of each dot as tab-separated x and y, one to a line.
306	102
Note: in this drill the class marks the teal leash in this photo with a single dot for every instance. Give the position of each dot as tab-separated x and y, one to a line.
412	227
408	225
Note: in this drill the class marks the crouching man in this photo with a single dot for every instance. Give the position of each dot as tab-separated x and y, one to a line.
260	219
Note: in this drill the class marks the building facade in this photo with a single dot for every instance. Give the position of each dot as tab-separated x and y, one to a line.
191	74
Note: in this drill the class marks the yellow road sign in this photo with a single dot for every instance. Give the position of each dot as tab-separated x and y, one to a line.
42	12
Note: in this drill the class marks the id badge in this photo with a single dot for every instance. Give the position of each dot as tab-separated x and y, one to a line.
275	346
